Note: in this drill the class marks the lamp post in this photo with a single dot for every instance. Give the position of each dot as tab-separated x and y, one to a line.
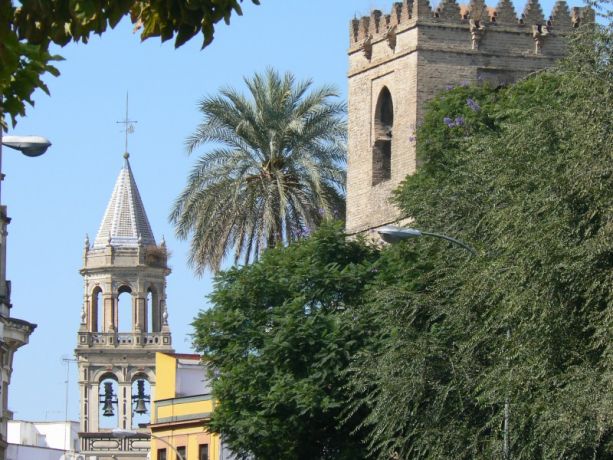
391	234
30	146
121	433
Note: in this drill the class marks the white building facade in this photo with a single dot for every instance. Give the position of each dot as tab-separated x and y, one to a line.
42	440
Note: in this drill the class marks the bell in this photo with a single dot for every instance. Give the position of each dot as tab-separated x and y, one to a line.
141	398
107	409
140	408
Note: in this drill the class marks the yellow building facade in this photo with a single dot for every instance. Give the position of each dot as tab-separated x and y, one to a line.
181	409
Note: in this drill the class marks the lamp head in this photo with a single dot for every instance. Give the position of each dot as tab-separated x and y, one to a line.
31	146
391	234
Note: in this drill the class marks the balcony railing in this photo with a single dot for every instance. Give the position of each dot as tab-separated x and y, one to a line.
123	339
100	443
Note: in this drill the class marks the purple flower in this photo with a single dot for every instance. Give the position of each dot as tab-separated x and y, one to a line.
459	121
464	83
304	232
473	105
450	87
412	138
449	122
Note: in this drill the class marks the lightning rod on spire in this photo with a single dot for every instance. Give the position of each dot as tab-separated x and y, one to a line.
128	126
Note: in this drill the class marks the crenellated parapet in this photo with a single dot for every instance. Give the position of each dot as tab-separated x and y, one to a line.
475	17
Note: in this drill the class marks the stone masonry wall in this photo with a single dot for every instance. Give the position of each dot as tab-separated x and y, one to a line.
416	52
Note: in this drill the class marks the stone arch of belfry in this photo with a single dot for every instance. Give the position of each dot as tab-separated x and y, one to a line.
124	259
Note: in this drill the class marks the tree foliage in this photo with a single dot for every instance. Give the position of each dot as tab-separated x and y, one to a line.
422	344
274	171
279	341
28	28
524	175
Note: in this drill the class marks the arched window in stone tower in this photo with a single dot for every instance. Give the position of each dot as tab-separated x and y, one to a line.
152	310
382	147
125	315
97	318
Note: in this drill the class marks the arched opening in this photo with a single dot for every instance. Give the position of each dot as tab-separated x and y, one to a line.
152	309
125	315
97	312
385	112
108	405
382	147
141	401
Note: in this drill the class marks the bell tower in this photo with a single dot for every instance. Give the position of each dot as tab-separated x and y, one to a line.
124	277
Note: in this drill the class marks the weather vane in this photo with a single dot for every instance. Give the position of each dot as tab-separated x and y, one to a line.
128	125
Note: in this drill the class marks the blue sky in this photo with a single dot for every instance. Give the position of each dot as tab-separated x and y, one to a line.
54	200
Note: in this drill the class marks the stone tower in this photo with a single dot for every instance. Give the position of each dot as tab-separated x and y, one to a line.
397	62
117	361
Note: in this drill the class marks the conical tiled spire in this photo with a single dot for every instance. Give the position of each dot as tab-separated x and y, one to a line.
125	222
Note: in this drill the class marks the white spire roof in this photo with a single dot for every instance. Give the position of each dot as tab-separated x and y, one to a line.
125	222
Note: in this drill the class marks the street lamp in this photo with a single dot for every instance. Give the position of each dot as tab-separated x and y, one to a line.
391	234
31	146
121	433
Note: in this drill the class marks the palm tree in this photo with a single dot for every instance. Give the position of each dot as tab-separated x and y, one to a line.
275	169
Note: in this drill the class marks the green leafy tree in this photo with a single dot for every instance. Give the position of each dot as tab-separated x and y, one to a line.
27	28
524	175
279	341
274	173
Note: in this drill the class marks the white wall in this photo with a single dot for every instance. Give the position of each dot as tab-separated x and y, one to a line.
19	452
191	380
54	435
